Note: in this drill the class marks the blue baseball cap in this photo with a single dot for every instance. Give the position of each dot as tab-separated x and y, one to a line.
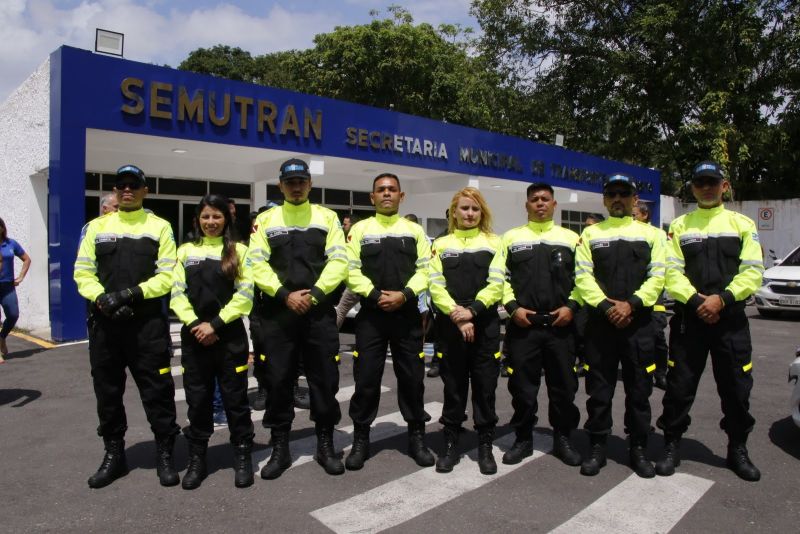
294	168
133	171
708	169
619	178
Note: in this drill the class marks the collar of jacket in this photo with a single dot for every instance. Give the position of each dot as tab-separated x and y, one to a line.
710	212
212	240
540	227
296	209
387	219
132	216
618	222
472	232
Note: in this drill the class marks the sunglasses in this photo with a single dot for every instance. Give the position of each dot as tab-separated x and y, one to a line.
620	194
133	186
703	182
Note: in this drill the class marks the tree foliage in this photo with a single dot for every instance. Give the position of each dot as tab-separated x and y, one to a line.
661	84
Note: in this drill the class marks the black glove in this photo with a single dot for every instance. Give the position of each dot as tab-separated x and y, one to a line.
123	313
108	303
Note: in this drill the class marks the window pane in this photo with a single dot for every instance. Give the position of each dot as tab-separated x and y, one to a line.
230	189
315	195
338	197
361	198
92	181
172	186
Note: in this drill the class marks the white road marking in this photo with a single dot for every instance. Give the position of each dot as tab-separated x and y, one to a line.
403	499
389	425
640	505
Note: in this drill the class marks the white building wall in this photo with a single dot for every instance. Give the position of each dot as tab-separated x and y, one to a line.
24	159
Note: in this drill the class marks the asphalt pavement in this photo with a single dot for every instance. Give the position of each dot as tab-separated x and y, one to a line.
49	447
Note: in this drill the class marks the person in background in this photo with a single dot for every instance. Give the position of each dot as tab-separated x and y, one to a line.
348	299
9	249
124	267
212	290
465	288
714	265
641	212
438	343
109	204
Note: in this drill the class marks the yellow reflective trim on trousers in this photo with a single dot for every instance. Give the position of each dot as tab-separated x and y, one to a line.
183	369
164	371
241	368
263	357
510	370
671	363
585	366
659	308
497	355
439	355
574	368
650	368
337	358
747	367
422	355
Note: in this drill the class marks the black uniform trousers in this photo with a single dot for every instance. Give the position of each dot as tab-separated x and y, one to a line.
259	352
141	345
376	330
606	348
288	337
530	350
661	348
728	341
225	361
476	363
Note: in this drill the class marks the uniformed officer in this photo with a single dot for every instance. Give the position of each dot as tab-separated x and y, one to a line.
124	264
620	274
641	212
541	299
465	291
212	290
714	264
298	257
388	258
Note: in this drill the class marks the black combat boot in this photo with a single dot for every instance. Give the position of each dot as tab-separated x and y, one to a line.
486	462
113	466
165	467
416	445
450	457
243	463
196	472
326	455
639	462
521	449
739	461
280	460
360	450
260	402
597	455
563	449
671	457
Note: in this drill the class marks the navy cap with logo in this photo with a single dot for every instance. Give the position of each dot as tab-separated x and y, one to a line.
294	168
619	178
132	171
708	169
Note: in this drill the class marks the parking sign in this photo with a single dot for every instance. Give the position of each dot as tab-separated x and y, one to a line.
766	218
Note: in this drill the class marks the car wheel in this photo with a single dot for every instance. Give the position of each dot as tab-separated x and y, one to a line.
768	313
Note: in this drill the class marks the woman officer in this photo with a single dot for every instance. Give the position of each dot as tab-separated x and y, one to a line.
466	290
212	291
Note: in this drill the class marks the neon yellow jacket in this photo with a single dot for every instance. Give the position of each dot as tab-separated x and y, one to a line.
461	272
387	253
622	259
297	247
539	263
714	252
200	292
123	250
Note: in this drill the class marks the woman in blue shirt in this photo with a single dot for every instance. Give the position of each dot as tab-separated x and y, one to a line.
8	294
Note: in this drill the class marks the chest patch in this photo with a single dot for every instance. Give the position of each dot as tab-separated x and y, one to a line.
594	245
371	241
105	238
519	248
691	240
274	232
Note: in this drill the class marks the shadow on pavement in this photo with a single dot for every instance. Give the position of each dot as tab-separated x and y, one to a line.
27	353
19	396
786	435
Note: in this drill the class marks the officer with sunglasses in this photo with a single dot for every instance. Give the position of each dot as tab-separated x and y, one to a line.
619	273
714	264
124	265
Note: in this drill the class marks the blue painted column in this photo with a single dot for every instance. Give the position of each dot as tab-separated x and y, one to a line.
65	200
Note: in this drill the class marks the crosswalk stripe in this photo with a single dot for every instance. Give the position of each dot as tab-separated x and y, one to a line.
640	505
389	425
407	497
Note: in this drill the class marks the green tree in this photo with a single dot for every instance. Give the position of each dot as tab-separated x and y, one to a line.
222	61
661	84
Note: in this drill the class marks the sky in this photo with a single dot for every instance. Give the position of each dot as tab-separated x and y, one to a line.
164	32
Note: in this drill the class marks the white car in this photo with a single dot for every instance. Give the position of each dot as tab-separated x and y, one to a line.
780	289
794	374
